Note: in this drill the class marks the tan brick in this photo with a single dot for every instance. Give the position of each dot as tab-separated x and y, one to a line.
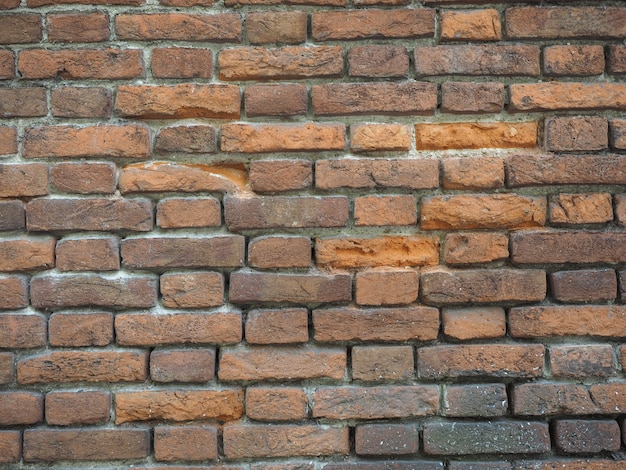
23	179
380	137
186	139
286	27
182	62
191	443
380	363
470	25
263	138
472	98
587	133
272	176
475	135
27	254
76	27
182	365
386	287
23	102
378	61
279	252
84	178
583	285
188	212
80	329
280	99
220	27
20	408
475	247
474	322
573	60
581	208
83	407
281	326
561	96
276	403
90	254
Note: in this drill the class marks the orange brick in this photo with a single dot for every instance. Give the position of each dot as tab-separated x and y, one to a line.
80	329
23	179
385	210
182	62
471	25
386	287
475	135
221	27
475	247
283	27
581	208
27	254
557	96
91	27
188	212
474	323
380	137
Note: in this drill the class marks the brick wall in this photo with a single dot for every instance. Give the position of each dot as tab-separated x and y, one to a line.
306	234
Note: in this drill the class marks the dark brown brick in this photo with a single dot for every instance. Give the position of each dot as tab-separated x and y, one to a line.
77	27
275	176
15	292
192	290
472	98
280	326
589	360
181	365
182	62
22	28
190	443
81	102
386	439
12	215
567	134
84	178
386	465
573	60
83	407
479	401
283	99
378	61
186	139
586	436
617	59
23	102
381	363
21	331
20	408
283	27
221	27
583	286
7	371
80	329
188	212
276	403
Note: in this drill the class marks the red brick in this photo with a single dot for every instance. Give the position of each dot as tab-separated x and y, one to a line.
276	403
146	329
378	61
549	399
188	212
382	363
377	173
471	25
381	324
480	401
27	254
385	210
474	322
291	62
465	248
472	98
273	176
190	443
73	27
81	102
380	137
7	65
586	133
18	408
562	96
281	99
497	59
181	101
182	62
280	326
20	28
192	290
180	365
347	99
39	3
384	251
386	287
92	290
565	22
263	441
583	285
80	329
280	252
567	320
84	178
586	436
93	254
617	134
620	208
23	102
7	372
617	59
8	140
183	252
10	446
187	3
386	439
23	179
573	60
7	5
181	177
22	331
83	366
286	363
81	64
103	141
373	24
330	3
578	362
347	403
283	27
483	286
12	215
264	138
178	405
186	139
221	27
593	208
83	407
85	444
475	135
15	292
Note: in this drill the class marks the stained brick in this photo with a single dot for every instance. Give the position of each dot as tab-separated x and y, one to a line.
583	285
281	99
15	292
573	60
83	407
279	252
617	59
382	363
472	98
89	254
221	27
378	61
279	326
192	290
188	212
276	403
589	360
23	179
8	140
73	27
186	139
575	134
585	436
27	254
7	371
21	408
182	365
386	439
80	329
191	443
23	102
10	446
22	28
84	178
480	400
386	287
467	248
7	65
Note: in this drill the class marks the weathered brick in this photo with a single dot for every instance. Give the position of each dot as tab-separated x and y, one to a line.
470	25
23	179
385	465
187	3
82	407
20	28
182	101
589	360
382	363
182	365
483	286
20	408
378	61
7	65
7	372
386	439
23	102
595	208
583	285
18	331
283	27
192	290
27	254
264	138
244	213
565	22
466	248
191	443
103	141
77	27
386	287
472	98
288	363
186	139
380	137
83	366
88	254
330	3
347	99
92	290
563	96
475	135
39	3
377	173
279	252
273	176
497	465
497	437
80	329
182	62
178	405
620	208
285	325
146	329
8	5
385	210
474	322
14	292
262	441
383	324
586	436
286	63
617	59
281	99
385	251
378	402
480	401
608	397
183	252
220	27
568	320
84	178
10	446
373	24
8	140
276	403
85	444
188	212
617	134
573	61
586	133
81	64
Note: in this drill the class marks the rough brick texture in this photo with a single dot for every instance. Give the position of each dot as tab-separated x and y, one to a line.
313	234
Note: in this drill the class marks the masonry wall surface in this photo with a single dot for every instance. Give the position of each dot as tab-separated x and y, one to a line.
312	234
